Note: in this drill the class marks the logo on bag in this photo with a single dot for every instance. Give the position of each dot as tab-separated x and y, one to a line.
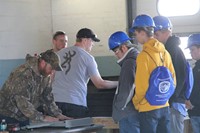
164	86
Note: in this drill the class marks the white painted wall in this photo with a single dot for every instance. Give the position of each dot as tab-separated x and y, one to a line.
103	16
25	27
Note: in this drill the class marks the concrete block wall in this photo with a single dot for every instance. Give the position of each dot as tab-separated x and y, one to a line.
103	16
26	26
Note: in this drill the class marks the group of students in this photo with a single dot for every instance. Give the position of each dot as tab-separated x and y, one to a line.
56	80
160	47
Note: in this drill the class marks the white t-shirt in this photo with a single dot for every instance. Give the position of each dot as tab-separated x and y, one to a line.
70	85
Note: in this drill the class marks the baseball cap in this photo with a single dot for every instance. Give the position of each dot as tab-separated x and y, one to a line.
52	58
87	33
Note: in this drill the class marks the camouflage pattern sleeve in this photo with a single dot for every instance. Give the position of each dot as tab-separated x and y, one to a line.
50	107
22	87
28	109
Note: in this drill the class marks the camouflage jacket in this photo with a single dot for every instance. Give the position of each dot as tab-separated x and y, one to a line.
24	91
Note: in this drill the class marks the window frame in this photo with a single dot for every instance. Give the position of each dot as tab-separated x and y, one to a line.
187	14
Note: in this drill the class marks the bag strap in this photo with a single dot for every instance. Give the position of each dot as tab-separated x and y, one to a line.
156	66
161	58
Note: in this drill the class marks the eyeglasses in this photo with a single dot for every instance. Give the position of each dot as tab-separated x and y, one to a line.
116	50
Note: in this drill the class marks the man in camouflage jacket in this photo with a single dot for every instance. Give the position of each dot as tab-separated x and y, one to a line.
27	88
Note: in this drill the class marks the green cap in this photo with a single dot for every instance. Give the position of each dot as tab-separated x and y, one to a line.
52	58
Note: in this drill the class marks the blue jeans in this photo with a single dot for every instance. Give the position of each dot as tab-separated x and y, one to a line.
177	121
155	121
130	124
195	122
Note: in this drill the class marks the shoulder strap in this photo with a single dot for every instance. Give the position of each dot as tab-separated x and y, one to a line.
150	57
161	58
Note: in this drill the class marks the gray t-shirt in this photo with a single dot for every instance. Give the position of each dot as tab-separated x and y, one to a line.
70	85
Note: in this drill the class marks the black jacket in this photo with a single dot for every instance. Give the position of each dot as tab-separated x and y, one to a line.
179	62
194	98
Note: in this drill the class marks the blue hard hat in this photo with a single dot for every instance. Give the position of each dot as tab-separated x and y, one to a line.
193	39
117	39
142	21
161	23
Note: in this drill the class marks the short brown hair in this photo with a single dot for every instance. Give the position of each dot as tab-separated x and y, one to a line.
58	33
149	30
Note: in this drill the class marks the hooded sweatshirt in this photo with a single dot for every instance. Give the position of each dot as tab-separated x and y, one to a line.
145	65
179	62
196	91
122	104
24	91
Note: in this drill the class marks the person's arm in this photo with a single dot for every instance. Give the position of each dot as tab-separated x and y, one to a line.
48	101
188	104
127	81
51	107
27	108
171	68
179	64
141	80
23	85
103	84
95	76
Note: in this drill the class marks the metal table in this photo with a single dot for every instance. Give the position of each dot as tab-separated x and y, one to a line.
85	129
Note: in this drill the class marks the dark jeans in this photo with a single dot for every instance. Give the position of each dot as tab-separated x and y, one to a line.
155	121
195	121
10	120
130	124
72	110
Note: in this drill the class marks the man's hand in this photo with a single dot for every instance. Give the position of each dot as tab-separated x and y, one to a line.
50	119
63	117
188	104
